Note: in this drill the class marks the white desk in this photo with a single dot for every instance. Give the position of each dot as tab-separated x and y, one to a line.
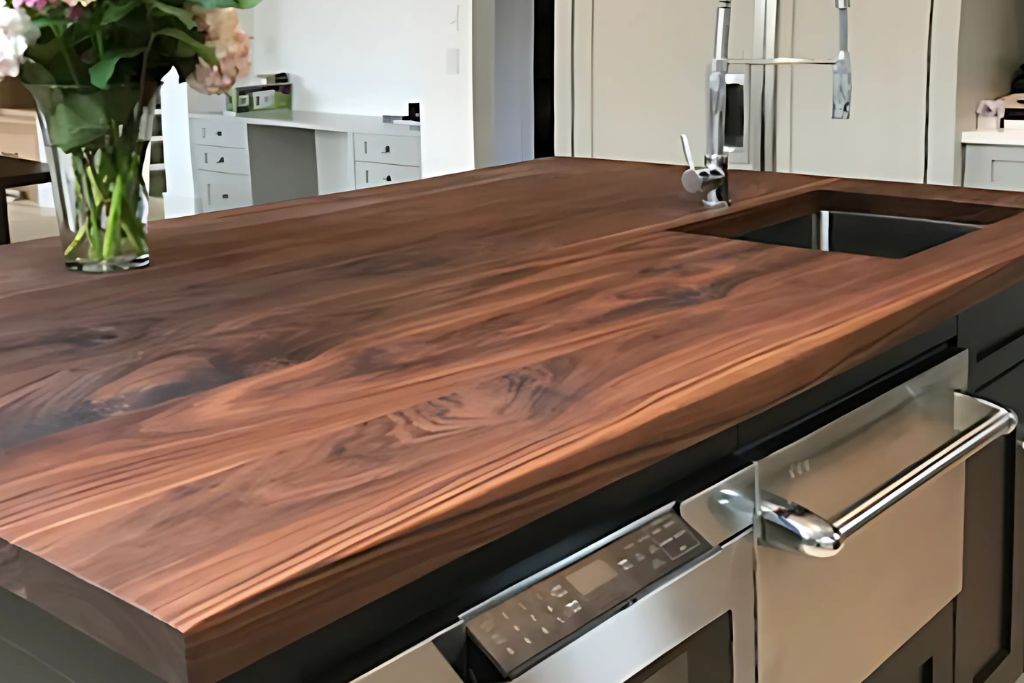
274	156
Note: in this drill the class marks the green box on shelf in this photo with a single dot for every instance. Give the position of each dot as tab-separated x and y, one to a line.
275	94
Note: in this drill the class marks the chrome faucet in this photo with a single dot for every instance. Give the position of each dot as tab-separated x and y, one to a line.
712	179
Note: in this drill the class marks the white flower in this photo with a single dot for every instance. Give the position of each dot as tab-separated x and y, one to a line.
17	35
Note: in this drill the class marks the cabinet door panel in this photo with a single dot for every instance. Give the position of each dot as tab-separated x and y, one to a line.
990	610
927	657
984	619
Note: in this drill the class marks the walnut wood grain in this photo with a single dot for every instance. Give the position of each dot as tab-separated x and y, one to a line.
303	407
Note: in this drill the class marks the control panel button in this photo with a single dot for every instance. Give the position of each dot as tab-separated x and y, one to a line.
517	631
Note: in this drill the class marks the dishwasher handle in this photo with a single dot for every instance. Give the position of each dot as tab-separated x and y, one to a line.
789	526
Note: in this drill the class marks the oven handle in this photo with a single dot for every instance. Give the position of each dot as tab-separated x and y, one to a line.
789	526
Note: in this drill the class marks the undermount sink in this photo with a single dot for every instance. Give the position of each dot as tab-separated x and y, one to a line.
892	237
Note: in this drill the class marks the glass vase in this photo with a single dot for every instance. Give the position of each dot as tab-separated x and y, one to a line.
96	143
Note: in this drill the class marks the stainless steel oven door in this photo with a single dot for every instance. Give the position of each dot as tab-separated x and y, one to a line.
693	625
697	628
860	543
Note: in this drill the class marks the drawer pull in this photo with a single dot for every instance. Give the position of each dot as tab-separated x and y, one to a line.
790	526
221	160
387	149
220	133
388	179
225	196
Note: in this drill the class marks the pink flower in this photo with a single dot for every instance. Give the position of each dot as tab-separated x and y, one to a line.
38	5
231	46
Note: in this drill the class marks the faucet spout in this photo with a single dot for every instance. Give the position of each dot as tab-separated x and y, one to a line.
842	70
712	179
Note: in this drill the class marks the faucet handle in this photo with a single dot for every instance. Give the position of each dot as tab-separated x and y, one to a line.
687	152
710	178
692	180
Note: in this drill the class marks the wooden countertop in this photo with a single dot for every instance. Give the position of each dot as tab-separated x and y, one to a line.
303	407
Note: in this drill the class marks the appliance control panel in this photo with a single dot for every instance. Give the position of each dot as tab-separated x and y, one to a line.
525	628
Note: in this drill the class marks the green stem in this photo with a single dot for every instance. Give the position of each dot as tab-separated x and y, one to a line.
83	230
95	206
112	238
67	56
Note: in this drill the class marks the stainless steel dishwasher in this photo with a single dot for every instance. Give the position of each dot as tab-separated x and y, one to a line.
861	528
668	599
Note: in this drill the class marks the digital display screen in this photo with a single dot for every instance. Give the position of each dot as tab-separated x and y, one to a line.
592	576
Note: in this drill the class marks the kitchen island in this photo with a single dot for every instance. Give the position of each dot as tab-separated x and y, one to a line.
305	407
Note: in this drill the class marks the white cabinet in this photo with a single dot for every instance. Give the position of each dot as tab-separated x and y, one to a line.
222	159
222	191
388	149
375	175
220	163
994	167
238	162
219	131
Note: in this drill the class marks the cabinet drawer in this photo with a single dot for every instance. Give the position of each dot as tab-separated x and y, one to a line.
217	133
375	175
388	149
220	191
994	332
222	159
994	167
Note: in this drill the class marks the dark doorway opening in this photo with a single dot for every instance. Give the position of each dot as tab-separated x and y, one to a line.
544	78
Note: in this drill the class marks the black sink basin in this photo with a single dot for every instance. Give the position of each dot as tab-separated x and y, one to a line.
858	233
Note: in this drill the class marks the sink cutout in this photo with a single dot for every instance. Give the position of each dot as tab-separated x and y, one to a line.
882	226
892	237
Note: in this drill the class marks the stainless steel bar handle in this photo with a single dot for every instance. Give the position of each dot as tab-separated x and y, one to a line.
789	526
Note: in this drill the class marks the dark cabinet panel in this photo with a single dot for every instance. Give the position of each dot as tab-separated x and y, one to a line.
926	658
990	610
994	333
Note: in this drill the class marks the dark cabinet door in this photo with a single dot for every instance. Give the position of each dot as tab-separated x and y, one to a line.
990	610
927	658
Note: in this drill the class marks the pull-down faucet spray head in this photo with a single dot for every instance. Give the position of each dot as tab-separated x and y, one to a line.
712	179
842	70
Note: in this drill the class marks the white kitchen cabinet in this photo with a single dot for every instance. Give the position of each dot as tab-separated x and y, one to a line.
376	175
994	160
222	191
388	149
220	131
277	156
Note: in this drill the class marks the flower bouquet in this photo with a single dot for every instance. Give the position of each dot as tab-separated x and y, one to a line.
94	68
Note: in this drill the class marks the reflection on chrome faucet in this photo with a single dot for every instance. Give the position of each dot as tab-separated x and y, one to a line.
713	178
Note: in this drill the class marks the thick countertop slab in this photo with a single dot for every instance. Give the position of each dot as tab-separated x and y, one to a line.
303	407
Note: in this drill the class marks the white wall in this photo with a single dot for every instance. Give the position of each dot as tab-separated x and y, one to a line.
373	57
503	103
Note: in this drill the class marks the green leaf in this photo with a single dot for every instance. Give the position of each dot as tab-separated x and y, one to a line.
35	73
102	71
76	121
207	53
180	13
113	13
